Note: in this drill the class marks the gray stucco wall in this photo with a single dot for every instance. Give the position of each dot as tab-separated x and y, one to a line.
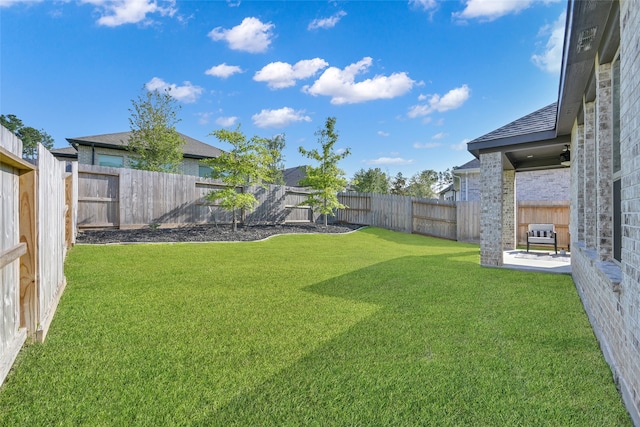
85	156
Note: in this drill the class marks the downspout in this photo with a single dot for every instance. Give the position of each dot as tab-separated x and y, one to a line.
93	154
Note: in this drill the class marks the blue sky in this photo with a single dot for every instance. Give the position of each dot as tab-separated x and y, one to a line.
409	82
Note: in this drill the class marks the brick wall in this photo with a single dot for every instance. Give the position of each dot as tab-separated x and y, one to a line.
610	290
543	185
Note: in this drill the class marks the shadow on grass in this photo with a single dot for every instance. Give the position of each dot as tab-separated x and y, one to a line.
452	344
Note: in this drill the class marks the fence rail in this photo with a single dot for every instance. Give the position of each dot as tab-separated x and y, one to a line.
37	213
450	220
128	198
401	213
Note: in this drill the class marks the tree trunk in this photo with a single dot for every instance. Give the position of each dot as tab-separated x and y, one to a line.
234	222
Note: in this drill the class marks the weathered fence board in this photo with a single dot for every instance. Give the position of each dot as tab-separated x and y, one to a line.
52	236
13	332
401	213
128	198
36	212
435	218
468	221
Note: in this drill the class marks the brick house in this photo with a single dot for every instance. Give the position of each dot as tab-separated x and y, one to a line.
595	129
532	185
111	150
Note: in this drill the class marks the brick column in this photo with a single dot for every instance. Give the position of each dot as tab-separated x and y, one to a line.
577	184
491	176
590	174
508	210
604	153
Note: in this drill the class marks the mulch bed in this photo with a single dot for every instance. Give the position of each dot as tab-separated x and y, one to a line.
206	233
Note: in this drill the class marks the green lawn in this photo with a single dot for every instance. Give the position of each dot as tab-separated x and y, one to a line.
371	328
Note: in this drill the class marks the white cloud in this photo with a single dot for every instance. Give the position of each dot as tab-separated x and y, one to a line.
326	23
551	59
439	135
120	12
461	146
186	93
7	3
341	86
424	4
427	145
223	70
450	101
251	35
279	75
396	161
203	118
490	10
279	118
383	133
226	122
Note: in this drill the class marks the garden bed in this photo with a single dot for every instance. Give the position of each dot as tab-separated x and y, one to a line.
206	233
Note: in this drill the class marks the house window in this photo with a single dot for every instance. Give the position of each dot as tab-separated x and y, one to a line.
110	161
617	167
204	171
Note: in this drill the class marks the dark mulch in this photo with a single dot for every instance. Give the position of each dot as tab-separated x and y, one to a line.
206	233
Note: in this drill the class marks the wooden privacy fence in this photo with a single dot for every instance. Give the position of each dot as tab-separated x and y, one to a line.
450	220
544	212
401	213
128	198
37	217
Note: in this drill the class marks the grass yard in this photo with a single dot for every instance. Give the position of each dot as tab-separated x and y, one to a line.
371	328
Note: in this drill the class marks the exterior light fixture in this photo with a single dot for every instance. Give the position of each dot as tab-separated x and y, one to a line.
565	156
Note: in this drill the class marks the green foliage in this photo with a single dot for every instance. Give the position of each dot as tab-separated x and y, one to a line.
371	181
29	136
421	184
155	143
247	163
326	179
373	328
275	146
399	184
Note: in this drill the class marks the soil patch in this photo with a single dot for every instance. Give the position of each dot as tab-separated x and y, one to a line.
206	233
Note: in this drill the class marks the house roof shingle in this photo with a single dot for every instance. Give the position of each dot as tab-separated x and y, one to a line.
292	176
192	148
541	120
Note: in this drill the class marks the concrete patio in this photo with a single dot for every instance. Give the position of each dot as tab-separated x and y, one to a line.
537	260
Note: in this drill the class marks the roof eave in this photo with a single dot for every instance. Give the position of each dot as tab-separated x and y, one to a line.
497	144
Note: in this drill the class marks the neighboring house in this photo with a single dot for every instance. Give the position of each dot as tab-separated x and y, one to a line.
69	154
594	128
111	150
448	193
293	176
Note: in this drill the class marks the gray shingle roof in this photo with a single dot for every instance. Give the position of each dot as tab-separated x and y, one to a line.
192	148
65	152
292	176
471	164
541	120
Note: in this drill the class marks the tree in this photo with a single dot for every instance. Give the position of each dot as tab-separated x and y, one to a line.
421	184
399	184
326	179
29	136
371	181
246	164
156	144
275	146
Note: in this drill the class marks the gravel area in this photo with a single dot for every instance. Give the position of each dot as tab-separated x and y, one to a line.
205	233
